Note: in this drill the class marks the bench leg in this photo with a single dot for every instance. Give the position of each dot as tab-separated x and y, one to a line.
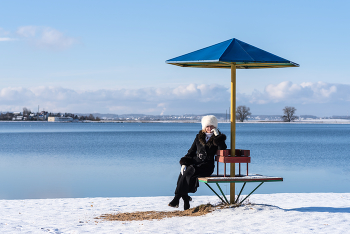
217	168
222	193
251	193
216	193
240	192
236	201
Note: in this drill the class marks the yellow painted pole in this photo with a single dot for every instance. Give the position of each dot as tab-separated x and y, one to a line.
233	129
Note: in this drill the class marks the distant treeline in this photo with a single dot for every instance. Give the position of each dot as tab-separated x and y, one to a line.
27	115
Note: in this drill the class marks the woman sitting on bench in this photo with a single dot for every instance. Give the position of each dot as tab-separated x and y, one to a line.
199	161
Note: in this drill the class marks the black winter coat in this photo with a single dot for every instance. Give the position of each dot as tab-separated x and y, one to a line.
201	153
199	161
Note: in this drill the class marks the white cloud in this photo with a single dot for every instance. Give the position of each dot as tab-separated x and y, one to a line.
146	100
282	90
4	32
315	98
27	31
192	98
4	36
7	39
46	37
304	93
186	91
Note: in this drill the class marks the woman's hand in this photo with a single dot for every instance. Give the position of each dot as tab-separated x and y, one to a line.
183	168
215	131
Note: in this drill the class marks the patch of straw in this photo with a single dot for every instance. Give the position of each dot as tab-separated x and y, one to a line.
150	215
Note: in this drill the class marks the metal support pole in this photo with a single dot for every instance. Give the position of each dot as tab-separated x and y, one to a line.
222	193
233	129
240	192
215	193
251	193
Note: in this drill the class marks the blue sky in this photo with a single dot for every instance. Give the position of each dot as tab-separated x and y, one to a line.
109	56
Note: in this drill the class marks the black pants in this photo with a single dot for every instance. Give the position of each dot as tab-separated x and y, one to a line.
188	182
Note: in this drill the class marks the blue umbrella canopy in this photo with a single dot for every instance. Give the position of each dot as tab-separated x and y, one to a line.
223	54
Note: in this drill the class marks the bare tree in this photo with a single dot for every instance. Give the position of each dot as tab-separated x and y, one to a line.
26	111
289	112
7	116
91	117
242	113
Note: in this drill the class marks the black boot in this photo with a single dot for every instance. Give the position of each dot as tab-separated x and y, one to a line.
175	202
187	200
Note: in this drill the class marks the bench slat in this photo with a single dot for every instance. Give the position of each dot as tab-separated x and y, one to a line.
250	178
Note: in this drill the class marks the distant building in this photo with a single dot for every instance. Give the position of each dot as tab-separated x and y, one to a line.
60	119
43	115
18	118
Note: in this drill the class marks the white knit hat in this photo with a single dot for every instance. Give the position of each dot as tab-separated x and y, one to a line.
209	120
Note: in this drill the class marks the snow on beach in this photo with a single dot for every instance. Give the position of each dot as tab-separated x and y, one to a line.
267	213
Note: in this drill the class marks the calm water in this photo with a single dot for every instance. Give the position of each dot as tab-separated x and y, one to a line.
57	160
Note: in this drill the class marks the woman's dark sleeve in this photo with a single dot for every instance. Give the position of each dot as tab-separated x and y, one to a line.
192	152
219	141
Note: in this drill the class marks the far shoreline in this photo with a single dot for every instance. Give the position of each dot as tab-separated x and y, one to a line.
318	121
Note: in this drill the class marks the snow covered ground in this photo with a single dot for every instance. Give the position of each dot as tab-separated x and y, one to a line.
267	213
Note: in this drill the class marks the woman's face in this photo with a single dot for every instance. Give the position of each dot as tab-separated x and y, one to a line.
209	128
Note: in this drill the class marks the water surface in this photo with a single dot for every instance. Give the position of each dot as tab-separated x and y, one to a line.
51	160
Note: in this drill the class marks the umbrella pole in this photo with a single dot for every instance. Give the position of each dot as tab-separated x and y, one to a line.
233	129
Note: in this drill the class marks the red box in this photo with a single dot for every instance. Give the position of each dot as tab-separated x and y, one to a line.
226	152
242	153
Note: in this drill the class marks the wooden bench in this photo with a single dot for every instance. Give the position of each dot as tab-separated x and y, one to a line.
241	156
